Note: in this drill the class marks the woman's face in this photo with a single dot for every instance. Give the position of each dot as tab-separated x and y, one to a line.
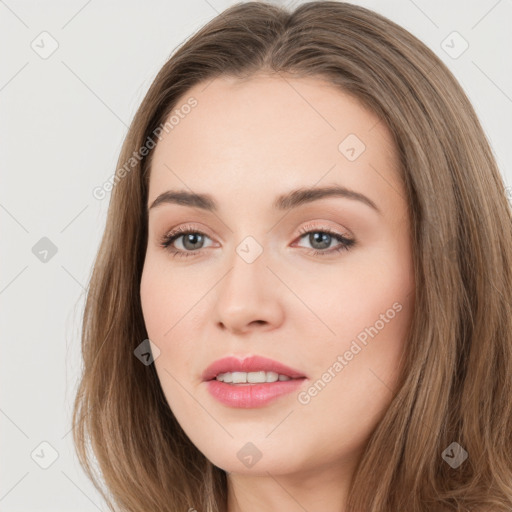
260	275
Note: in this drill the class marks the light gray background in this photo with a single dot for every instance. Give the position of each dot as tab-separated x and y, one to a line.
63	119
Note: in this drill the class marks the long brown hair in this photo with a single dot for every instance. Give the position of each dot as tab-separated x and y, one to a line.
457	382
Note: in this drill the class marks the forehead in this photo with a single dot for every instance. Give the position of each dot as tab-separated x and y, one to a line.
268	134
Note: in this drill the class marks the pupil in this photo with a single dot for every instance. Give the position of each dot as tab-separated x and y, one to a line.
322	238
192	238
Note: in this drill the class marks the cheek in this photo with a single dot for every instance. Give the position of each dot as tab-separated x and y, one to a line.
164	297
358	301
368	308
170	309
356	374
379	288
151	297
161	308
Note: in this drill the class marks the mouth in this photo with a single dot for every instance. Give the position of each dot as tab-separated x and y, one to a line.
251	382
248	378
251	370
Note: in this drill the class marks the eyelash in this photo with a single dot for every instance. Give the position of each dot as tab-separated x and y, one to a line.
166	241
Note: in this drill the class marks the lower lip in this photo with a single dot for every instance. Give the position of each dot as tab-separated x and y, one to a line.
251	395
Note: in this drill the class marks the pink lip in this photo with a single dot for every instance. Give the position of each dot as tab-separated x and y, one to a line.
250	395
249	364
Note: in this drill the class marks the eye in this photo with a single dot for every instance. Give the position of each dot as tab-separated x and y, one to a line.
192	242
321	238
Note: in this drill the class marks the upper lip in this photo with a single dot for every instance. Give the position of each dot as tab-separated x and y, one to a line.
248	364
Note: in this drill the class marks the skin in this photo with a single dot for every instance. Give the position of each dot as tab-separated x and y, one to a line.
245	143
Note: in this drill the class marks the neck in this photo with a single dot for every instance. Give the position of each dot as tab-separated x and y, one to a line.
314	490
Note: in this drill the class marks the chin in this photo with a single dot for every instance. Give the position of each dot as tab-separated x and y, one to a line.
253	458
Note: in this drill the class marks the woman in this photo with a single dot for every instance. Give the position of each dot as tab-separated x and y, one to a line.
302	296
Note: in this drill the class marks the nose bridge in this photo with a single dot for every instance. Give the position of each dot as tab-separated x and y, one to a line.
248	268
246	294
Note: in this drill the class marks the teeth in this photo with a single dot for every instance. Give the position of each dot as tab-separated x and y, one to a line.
250	377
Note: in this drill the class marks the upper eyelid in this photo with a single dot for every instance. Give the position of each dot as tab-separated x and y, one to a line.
345	242
191	228
180	231
183	230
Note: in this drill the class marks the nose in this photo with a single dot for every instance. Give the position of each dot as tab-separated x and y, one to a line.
248	297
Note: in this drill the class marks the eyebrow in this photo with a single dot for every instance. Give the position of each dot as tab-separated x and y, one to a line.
287	201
